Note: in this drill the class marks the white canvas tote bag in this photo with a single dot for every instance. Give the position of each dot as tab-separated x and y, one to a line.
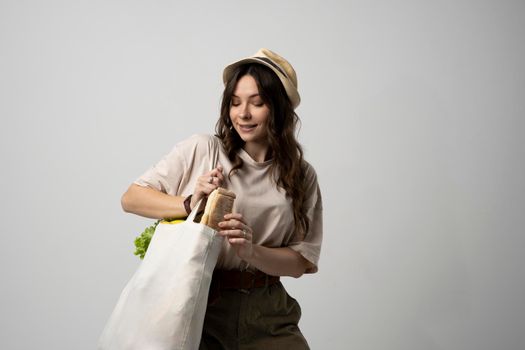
163	305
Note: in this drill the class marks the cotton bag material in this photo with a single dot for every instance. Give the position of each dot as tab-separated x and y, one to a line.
163	305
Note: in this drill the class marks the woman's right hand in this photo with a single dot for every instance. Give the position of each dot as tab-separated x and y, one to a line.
206	184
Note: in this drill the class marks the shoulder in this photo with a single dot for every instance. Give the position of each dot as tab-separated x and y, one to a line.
309	173
312	188
195	147
200	139
198	143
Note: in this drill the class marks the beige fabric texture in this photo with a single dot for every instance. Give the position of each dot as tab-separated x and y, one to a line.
263	205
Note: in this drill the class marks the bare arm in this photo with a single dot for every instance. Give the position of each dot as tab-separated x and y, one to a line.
282	261
278	261
151	203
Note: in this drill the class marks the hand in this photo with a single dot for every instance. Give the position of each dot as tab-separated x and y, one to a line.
239	234
206	184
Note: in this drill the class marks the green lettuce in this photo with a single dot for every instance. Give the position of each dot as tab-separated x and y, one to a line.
142	241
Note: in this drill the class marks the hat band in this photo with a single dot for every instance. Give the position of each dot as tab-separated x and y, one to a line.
270	62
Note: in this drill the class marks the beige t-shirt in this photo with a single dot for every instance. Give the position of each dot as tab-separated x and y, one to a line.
264	206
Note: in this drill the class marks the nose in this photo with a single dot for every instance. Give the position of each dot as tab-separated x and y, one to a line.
244	112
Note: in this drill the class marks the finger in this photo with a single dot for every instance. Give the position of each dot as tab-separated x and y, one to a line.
234	224
217	172
220	176
230	224
211	179
208	188
204	179
221	172
208	180
204	190
237	241
236	233
231	233
234	216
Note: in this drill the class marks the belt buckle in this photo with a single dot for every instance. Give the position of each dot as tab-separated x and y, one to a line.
244	290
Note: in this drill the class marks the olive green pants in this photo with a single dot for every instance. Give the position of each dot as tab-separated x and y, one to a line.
263	318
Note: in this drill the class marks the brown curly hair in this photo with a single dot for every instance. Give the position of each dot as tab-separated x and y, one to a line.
288	167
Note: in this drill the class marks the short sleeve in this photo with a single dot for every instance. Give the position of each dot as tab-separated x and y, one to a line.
310	246
175	169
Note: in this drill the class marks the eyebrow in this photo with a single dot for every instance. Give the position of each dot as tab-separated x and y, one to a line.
254	95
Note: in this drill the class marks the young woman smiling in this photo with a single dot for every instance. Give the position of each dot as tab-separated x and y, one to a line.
276	225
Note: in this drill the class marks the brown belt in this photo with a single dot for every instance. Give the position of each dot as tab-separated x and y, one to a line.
235	279
244	281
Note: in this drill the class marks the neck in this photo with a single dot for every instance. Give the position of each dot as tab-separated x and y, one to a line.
258	152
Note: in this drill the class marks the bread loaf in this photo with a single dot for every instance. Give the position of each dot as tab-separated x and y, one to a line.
220	203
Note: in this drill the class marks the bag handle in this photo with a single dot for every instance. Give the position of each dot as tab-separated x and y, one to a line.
194	211
214	158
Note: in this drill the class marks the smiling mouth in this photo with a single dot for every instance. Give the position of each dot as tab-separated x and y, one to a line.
247	127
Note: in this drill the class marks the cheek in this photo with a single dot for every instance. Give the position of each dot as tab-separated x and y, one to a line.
266	117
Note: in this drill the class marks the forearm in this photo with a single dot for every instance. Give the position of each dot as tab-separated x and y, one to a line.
278	261
148	202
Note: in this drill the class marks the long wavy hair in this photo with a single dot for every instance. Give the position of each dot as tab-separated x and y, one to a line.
288	166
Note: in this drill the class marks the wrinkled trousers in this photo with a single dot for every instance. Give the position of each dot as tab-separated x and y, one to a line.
261	318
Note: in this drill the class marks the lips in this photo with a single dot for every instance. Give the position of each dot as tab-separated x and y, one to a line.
247	127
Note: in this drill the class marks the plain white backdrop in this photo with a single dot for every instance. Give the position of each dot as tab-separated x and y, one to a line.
412	114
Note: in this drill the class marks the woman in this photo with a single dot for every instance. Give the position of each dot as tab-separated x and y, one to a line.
276	225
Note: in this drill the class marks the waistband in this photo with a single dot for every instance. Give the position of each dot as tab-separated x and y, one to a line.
236	279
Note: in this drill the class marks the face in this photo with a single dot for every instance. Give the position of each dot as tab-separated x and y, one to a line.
248	113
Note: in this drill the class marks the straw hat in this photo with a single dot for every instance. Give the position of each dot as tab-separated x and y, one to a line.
278	64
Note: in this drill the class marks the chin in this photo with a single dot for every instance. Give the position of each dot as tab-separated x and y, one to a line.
246	138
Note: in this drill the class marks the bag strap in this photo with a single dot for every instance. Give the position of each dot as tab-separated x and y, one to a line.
194	211
214	159
214	152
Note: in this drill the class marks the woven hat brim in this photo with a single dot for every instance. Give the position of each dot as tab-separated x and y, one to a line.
291	90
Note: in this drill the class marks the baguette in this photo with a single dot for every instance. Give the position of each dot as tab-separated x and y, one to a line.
219	203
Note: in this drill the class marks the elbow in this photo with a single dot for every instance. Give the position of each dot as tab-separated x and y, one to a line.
126	202
303	265
301	269
297	273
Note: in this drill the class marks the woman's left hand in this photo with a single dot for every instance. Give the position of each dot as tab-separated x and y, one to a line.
239	234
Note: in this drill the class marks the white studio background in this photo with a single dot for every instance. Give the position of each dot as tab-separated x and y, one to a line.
413	115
